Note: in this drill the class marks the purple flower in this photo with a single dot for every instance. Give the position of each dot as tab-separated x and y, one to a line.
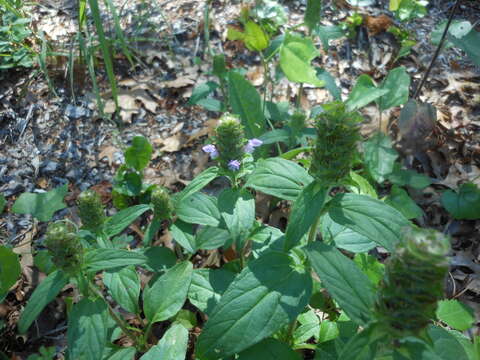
234	165
211	150
252	144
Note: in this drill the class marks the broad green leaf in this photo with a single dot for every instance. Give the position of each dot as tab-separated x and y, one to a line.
328	331
373	268
276	135
362	186
348	285
464	204
394	5
152	230
9	270
469	44
172	346
445	345
296	55
363	346
42	295
43	261
182	233
210	238
245	102
166	296
237	208
400	200
198	183
123	354
121	220
87	330
201	92
411	178
255	38
330	83
279	177
139	153
199	209
369	217
363	93
309	327
105	259
234	34
306	209
312	14
207	287
327	33
397	83
3	203
343	237
42	205
455	314
124	287
159	258
268	294
269	349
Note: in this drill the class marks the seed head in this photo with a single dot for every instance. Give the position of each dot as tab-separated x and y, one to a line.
64	246
162	203
230	140
91	210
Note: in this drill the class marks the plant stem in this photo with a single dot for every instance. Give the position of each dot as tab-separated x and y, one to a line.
121	324
299	97
313	230
437	51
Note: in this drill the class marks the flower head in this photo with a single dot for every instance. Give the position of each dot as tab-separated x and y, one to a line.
234	165
163	207
211	150
252	144
91	210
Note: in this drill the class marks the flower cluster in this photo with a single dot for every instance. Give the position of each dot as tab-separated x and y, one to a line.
162	203
413	282
91	210
231	145
64	246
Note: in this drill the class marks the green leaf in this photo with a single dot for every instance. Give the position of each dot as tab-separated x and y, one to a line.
9	270
276	135
371	267
468	43
43	205
363	93
279	177
362	186
343	237
312	14
201	92
199	209
123	354
328	331
198	183
309	328
363	346
3	203
397	83
159	258
105	259
305	211
168	293
445	345
348	285
330	83
139	153
296	55
121	220
268	294
255	38
210	238
87	331
455	314
327	33
269	349
152	230
172	346
42	295
124	287
182	233
245	102
369	217
464	204
411	178
207	287
400	200
237	208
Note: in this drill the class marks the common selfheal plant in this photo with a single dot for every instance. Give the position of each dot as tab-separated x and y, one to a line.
234	165
211	150
252	144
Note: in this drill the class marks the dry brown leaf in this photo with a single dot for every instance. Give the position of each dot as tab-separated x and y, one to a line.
179	82
108	152
255	75
173	143
208	129
377	24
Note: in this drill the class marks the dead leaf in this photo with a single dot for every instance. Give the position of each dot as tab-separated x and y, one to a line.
173	143
179	82
377	24
208	129
109	153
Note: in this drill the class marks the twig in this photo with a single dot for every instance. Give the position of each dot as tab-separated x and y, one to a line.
437	51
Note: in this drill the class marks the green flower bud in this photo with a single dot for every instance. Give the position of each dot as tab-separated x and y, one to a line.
120	201
91	210
336	144
64	246
230	140
162	204
413	282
